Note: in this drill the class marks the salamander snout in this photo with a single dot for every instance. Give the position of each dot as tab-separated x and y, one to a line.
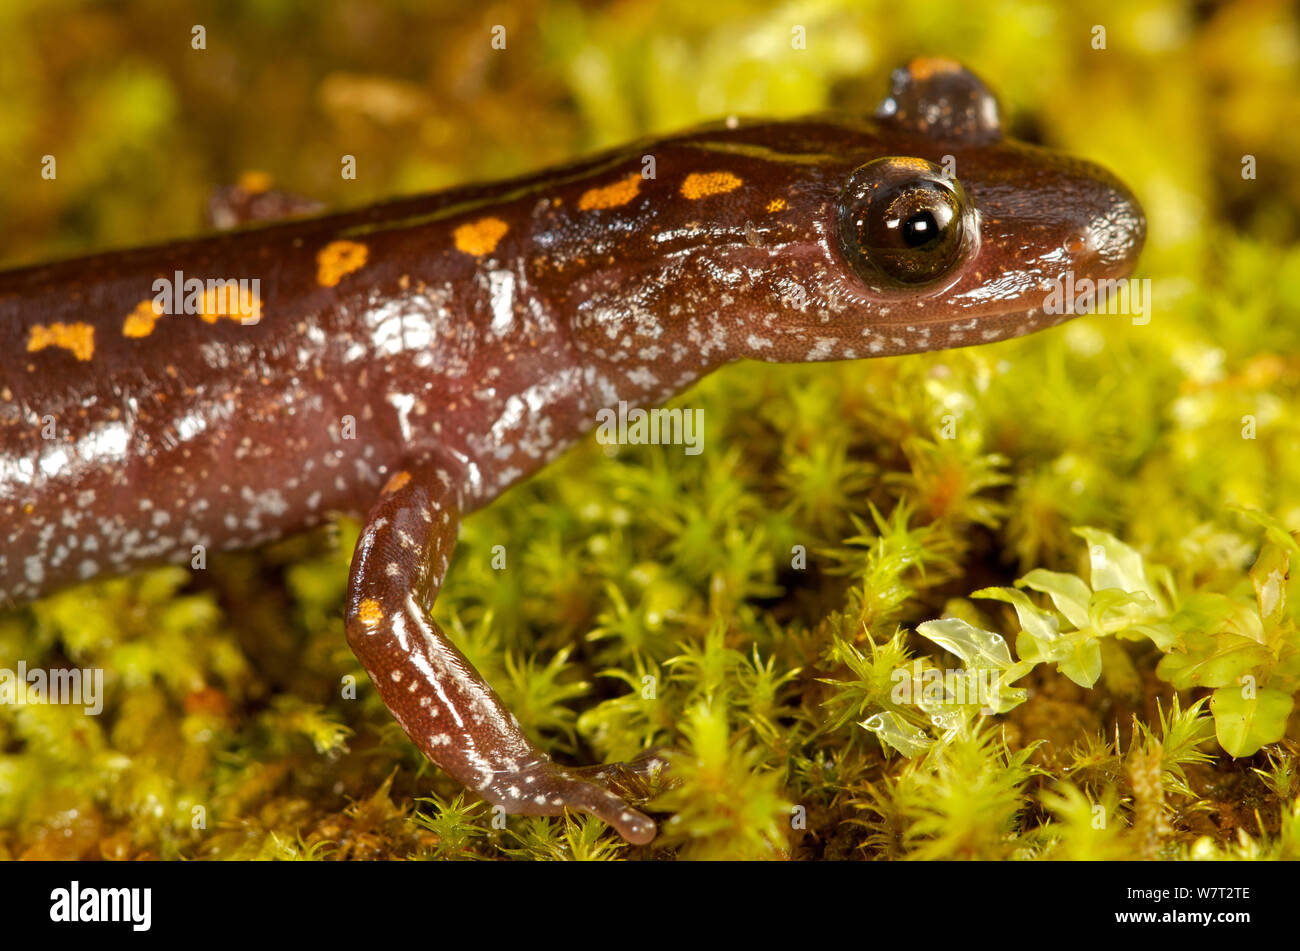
1116	228
1051	227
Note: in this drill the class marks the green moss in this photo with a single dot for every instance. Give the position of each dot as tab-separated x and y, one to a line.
753	608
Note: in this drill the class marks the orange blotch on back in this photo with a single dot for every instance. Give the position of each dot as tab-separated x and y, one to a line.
369	612
927	67
140	322
337	260
226	301
255	181
78	338
775	205
480	237
398	480
703	184
611	196
918	164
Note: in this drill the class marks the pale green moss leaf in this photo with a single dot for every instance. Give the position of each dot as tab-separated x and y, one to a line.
1244	723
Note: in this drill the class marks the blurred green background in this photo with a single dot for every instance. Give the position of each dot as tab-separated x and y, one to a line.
223	689
143	125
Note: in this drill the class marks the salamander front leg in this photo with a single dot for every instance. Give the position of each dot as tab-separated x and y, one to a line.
439	699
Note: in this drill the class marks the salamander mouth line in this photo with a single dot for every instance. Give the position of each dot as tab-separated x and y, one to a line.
970	320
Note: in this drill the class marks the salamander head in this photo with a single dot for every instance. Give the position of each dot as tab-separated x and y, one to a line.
931	230
830	238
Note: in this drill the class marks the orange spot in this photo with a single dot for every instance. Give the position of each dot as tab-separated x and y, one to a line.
918	164
703	184
209	701
611	196
398	480
255	181
369	612
927	67
775	205
225	300
480	237
79	338
140	322
337	260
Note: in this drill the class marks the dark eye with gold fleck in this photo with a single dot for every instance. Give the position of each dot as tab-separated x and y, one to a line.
902	222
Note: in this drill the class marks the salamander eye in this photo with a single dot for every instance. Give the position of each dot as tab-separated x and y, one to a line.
903	222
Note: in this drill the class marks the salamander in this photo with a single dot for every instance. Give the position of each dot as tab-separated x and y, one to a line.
409	362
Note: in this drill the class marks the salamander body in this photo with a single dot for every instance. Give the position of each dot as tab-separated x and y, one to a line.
410	361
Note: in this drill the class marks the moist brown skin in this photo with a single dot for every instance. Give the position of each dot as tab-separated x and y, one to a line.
414	359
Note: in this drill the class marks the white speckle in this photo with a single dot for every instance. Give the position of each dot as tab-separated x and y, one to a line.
501	291
642	376
403	403
822	348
